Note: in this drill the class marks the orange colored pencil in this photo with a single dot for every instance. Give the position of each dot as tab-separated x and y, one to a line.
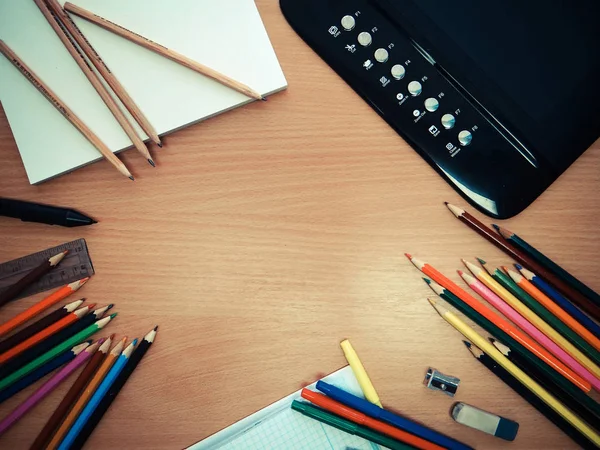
45	333
41	306
498	320
87	393
560	313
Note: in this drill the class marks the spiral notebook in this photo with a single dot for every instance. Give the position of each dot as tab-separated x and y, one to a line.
278	427
226	35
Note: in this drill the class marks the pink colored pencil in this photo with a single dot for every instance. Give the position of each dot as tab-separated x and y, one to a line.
528	328
48	386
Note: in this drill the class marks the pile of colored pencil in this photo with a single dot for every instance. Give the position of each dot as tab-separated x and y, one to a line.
546	341
61	342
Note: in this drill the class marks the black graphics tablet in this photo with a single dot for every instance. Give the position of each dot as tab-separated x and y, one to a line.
499	97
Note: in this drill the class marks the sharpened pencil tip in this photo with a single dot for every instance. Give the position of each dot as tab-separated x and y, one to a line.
264	99
460	272
151	162
519	266
427	280
467	343
482	261
156	328
496	227
492	340
110	306
408	255
113	315
446	203
131	178
159	144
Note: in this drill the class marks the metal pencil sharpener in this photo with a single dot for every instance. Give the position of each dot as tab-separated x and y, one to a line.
437	381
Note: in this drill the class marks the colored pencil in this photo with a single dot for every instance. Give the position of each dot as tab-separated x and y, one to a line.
44	390
374	411
531	330
114	389
39	325
360	373
347	426
67	403
59	28
582	405
42	371
523	378
64	110
560	300
523	258
45	333
163	51
529	397
542	298
54	340
493	322
69	440
104	71
61	348
42	269
362	419
533	318
549	264
41	306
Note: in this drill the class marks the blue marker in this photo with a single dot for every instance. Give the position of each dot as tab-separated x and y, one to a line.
92	404
561	301
376	412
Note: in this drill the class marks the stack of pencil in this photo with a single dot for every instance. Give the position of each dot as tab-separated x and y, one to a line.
86	56
546	341
60	341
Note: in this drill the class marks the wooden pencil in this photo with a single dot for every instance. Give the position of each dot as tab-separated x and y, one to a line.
528	348
560	313
115	388
584	406
37	350
68	401
534	319
52	353
104	71
41	306
529	397
45	389
45	333
560	300
64	110
548	264
39	325
42	371
523	258
16	288
61	31
89	390
163	51
505	308
523	378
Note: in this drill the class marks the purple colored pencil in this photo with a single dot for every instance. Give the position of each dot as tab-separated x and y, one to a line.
85	353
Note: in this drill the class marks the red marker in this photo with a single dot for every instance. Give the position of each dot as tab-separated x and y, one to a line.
362	419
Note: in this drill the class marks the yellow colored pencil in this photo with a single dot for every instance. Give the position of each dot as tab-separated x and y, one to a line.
532	317
523	378
360	373
85	396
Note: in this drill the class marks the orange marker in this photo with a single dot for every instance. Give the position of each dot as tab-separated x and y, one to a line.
362	419
45	333
41	306
501	323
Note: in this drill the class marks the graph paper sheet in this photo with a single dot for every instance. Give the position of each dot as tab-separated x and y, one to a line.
279	427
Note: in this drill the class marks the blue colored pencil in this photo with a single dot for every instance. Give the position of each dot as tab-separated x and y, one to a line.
402	423
94	401
561	301
40	372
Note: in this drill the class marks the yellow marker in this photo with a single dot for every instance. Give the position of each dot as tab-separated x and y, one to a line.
523	378
360	373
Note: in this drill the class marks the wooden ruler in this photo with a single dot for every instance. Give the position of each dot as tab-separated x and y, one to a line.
75	266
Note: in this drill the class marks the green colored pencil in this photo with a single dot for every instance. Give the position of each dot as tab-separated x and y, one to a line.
59	349
508	340
349	427
545	315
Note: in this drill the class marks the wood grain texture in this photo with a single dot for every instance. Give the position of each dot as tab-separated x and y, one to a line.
267	235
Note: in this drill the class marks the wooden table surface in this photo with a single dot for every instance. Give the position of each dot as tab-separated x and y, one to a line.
267	235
